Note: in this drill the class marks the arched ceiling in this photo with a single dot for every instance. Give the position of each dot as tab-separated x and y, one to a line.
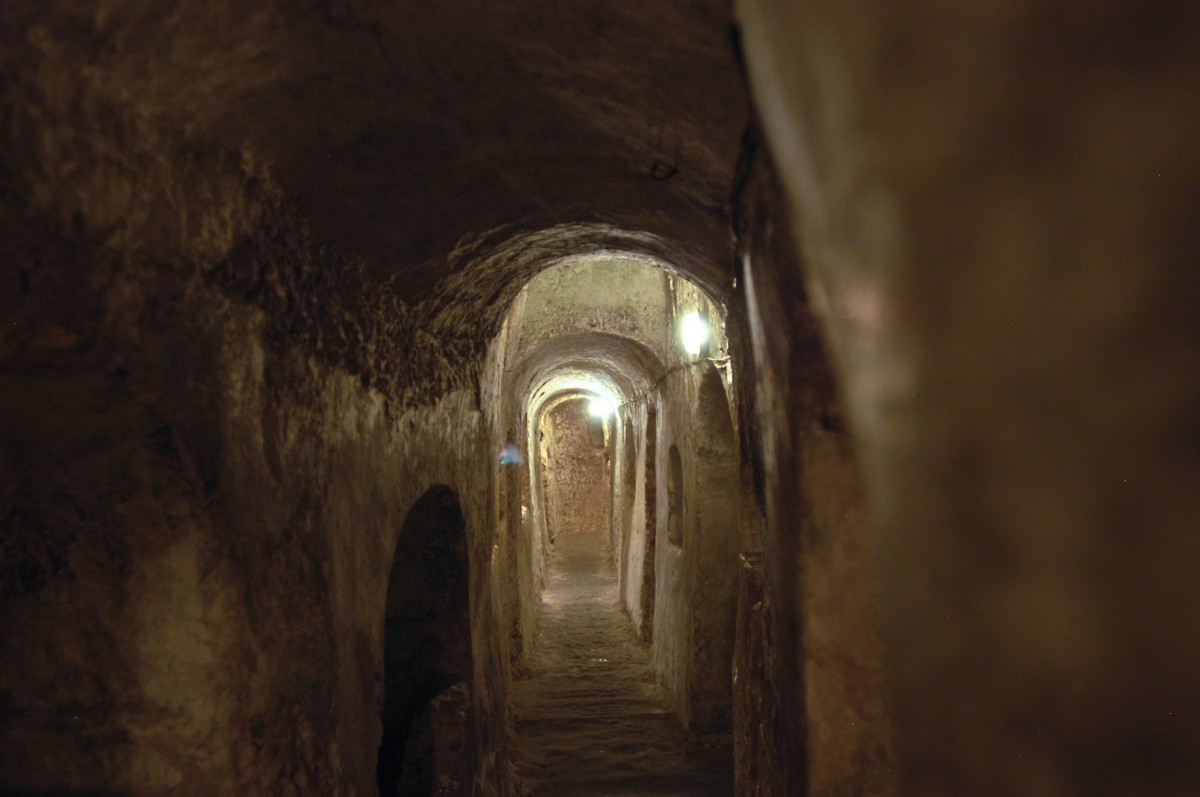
618	367
401	129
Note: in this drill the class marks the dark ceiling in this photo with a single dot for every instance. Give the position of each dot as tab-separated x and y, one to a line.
399	128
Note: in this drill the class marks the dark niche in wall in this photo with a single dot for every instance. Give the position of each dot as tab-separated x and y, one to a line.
628	491
630	466
650	514
427	653
674	497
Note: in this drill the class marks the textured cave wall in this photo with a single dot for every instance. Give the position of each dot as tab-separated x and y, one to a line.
672	606
380	118
715	543
996	208
533	539
119	635
607	292
215	430
227	570
637	567
695	579
815	690
516	553
513	531
579	500
625	473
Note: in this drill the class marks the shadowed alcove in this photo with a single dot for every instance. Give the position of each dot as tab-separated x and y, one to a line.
427	651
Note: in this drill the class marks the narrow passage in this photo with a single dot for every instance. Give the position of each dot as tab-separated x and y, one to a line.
590	719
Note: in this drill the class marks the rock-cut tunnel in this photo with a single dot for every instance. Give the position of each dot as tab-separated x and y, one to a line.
537	399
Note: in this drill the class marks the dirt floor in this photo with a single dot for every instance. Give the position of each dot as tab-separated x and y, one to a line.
590	719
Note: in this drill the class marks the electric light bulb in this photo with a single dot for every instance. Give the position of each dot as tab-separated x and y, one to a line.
600	408
693	332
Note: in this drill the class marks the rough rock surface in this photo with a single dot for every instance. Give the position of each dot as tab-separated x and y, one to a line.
810	603
254	257
578	482
590	718
995	203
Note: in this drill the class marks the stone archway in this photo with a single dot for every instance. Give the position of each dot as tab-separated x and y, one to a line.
427	650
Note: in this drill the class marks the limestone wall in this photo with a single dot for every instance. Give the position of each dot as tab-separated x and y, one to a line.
695	576
207	461
817	622
989	204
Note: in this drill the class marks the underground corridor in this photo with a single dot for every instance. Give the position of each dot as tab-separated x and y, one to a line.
615	691
691	398
621	643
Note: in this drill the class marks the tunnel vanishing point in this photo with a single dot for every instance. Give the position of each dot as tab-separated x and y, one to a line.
678	397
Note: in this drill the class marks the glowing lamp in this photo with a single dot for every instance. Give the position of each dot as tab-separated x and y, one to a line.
600	408
693	331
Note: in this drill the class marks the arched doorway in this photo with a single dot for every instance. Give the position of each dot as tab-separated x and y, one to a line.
427	650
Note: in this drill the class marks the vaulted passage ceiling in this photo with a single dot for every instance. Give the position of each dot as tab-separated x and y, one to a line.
269	300
400	130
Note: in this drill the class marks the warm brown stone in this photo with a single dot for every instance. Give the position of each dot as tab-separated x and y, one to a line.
273	274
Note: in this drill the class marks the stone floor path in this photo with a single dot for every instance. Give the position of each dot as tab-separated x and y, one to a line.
590	719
